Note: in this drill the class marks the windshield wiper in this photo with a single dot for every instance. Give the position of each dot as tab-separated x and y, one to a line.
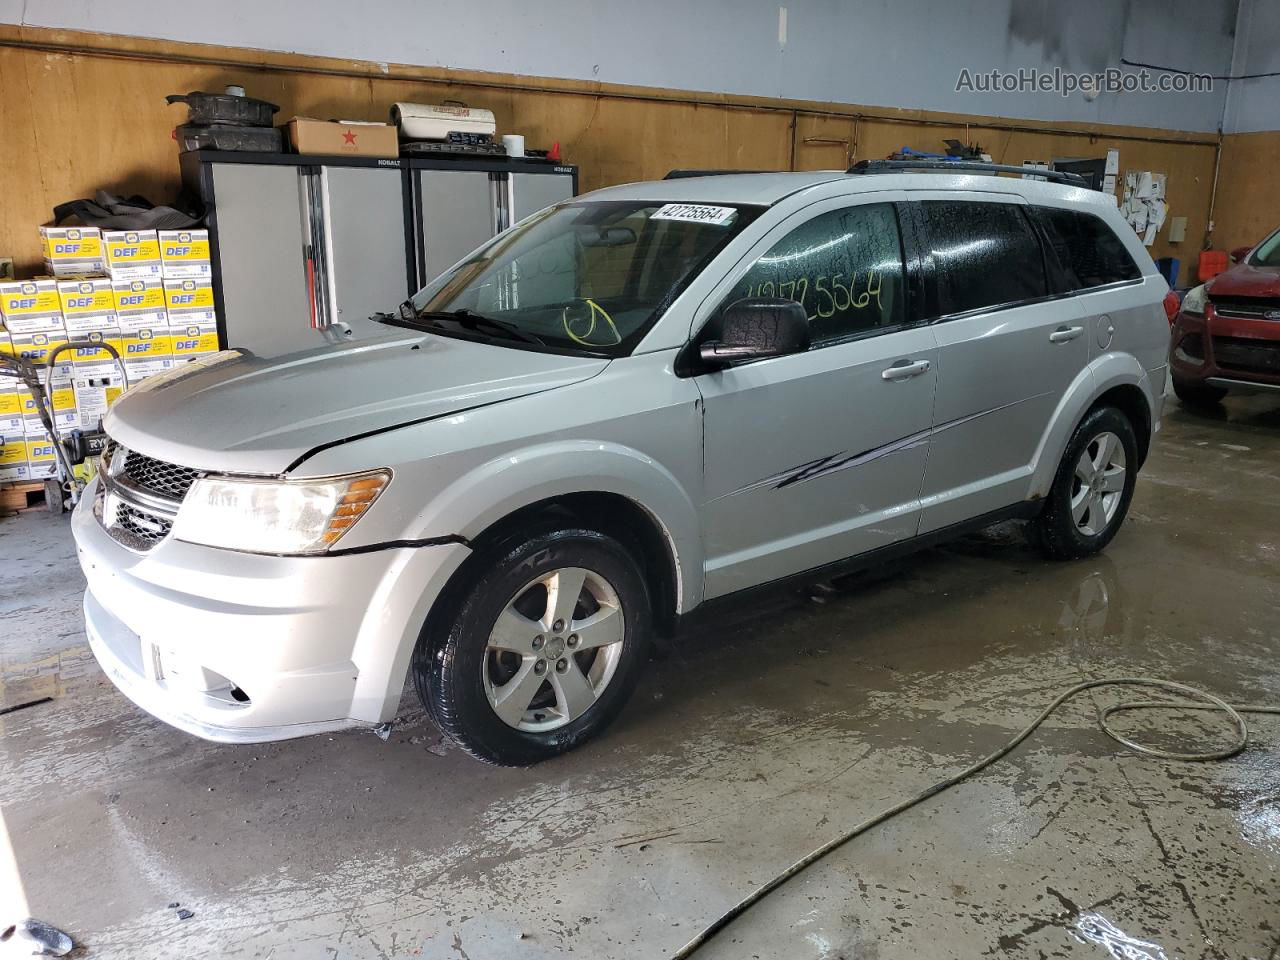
478	322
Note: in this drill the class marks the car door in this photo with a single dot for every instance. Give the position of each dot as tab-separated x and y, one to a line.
817	456
1009	347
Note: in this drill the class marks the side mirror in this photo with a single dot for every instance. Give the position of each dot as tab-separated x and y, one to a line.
755	328
1239	253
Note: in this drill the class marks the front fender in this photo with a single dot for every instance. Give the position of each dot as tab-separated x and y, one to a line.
1102	374
481	497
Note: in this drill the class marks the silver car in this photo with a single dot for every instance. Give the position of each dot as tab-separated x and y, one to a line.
626	407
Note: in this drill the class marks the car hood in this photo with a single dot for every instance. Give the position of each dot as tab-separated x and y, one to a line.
1245	280
240	413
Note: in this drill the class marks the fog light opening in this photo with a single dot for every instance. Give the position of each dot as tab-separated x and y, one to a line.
239	696
1191	348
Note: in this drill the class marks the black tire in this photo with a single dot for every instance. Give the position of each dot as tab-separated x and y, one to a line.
1198	394
1055	529
450	663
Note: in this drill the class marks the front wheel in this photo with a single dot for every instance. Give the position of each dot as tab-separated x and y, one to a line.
543	650
1092	489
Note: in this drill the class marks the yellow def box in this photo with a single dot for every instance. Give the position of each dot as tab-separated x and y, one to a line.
146	352
185	253
139	303
72	250
183	298
132	254
94	396
193	340
11	393
31	306
66	416
88	303
13	458
94	361
36	347
42	462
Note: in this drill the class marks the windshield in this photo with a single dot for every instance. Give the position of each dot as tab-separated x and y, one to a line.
588	277
1268	252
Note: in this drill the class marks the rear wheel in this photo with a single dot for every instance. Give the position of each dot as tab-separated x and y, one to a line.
543	650
1092	489
1198	394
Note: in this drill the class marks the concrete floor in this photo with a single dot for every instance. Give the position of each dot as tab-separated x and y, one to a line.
750	745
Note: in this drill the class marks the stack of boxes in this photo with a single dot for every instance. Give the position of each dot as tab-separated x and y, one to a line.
147	293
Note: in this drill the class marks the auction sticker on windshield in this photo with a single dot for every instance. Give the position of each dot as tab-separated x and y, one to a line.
696	213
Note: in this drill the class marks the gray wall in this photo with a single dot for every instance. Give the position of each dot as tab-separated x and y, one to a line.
896	53
1254	105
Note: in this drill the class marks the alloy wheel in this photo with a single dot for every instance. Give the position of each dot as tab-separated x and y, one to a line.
553	650
1098	484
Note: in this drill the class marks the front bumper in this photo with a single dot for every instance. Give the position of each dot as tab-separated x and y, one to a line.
243	648
1234	352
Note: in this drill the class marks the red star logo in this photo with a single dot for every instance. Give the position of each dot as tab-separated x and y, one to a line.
349	137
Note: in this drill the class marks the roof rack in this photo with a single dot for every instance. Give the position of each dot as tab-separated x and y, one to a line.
684	174
966	166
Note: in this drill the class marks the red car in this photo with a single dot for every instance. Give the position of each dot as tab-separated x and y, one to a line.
1226	335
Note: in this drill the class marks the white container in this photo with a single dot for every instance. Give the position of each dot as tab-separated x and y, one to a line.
422	121
513	143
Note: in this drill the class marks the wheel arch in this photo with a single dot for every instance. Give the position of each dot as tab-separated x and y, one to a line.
1113	379
607	487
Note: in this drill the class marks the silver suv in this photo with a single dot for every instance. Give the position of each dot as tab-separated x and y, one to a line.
626	407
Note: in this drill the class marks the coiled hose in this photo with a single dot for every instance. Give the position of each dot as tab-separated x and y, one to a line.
1209	702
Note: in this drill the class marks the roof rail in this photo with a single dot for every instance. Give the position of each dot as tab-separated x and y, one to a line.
684	174
966	166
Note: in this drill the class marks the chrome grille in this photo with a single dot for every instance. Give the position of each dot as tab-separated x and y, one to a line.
152	475
138	496
1247	308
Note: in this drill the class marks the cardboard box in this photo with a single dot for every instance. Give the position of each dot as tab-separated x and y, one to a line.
184	299
66	416
11	418
193	340
132	254
94	396
31	306
337	137
72	250
42	462
193	324
89	361
13	459
36	347
88	303
140	303
147	351
185	253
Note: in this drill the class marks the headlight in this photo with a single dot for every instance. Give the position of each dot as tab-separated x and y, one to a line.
276	516
1194	302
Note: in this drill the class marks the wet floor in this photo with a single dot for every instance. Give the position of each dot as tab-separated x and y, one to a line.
752	743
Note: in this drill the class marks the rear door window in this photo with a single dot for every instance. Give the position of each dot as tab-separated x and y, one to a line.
984	255
1090	253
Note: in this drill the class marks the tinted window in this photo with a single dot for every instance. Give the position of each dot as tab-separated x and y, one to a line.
843	267
1090	253
984	254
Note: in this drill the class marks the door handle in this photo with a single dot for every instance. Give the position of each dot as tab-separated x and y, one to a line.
1063	334
905	369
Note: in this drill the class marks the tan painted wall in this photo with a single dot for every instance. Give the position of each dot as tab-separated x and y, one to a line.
1248	204
84	111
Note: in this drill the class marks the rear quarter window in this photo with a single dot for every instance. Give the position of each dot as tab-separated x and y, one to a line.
1089	252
